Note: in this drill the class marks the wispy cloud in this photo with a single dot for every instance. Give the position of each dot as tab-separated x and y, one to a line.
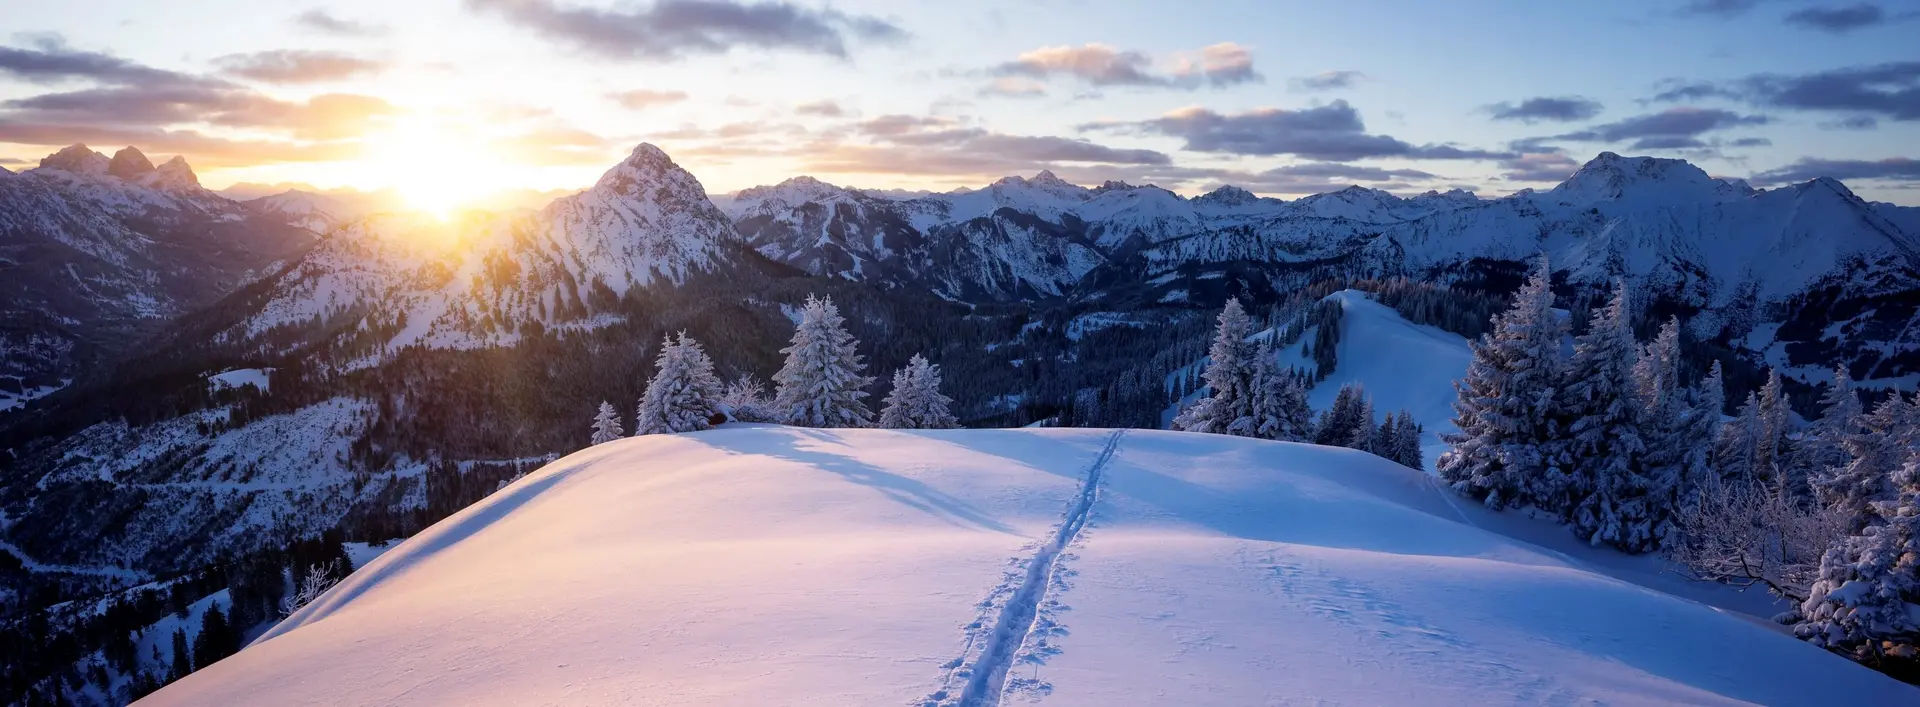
673	29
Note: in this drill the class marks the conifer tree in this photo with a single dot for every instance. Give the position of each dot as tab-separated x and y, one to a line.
1822	451
684	396
1875	450
1610	498
1506	409
1337	423
821	384
606	424
1365	435
916	402
1735	443
1773	418
1863	602
1709	405
1407	441
1280	400
1673	456
1228	406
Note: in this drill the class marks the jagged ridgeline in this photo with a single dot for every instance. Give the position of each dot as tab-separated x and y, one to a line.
398	367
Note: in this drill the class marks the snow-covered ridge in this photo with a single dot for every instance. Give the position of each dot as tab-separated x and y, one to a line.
869	567
1661	221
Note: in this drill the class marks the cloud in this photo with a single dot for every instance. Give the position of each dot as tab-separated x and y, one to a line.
1839	20
203	150
1014	87
1096	64
555	146
1543	166
1853	122
1332	132
293	66
1101	65
640	99
1328	81
1223	64
1718	8
1811	168
1560	108
320	21
1890	90
52	61
1337	170
1751	142
1665	128
673	29
825	109
926	131
323	117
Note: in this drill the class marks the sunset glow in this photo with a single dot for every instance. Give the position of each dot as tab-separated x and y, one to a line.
435	165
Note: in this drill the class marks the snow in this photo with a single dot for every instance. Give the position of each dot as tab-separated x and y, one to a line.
760	564
1402	365
258	378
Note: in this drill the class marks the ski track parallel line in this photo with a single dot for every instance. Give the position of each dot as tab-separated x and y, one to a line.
1017	619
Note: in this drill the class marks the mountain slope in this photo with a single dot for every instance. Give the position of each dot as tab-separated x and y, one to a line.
485	278
1736	261
743	565
97	252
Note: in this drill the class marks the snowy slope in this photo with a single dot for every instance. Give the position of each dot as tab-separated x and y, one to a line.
757	565
1401	364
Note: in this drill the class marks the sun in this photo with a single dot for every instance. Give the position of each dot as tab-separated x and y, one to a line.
437	166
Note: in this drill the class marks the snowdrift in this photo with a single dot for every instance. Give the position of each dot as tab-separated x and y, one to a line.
771	565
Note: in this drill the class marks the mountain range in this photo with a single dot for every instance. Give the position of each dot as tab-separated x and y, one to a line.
390	347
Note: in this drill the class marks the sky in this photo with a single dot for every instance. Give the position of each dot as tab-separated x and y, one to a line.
452	100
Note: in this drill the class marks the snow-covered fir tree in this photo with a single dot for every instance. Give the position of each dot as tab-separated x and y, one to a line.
1611	498
1279	400
684	395
745	400
821	384
1673	456
1822	451
1228	406
916	402
1774	418
606	424
1876	449
1506	409
1734	443
1864	603
1709	405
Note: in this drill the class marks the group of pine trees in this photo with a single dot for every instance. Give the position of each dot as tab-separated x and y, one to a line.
1614	445
1250	395
822	384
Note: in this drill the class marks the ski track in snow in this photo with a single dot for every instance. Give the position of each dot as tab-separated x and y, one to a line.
1010	639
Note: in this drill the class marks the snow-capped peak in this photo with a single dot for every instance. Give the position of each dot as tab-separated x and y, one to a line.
1227	195
1656	180
76	159
129	164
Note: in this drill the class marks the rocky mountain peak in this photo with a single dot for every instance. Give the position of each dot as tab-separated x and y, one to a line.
129	164
173	174
76	159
